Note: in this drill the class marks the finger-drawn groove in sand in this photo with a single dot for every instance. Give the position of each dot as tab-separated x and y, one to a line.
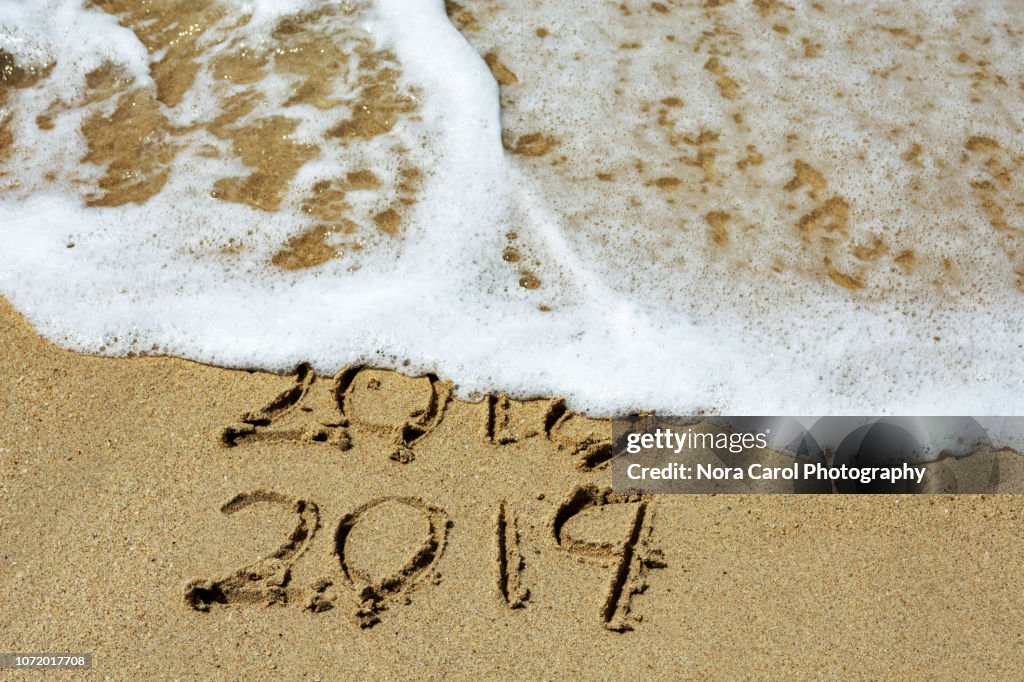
306	412
587	440
364	564
511	421
267	580
510	558
632	558
404	408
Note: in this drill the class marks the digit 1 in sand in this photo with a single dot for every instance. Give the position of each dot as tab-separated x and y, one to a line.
510	558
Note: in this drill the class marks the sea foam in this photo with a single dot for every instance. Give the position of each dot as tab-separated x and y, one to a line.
755	208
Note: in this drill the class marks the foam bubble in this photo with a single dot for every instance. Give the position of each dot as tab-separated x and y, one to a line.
767	208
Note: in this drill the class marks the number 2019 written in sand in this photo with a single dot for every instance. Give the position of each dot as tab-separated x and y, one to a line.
366	588
406	410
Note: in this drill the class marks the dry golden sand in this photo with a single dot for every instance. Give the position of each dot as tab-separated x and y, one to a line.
114	473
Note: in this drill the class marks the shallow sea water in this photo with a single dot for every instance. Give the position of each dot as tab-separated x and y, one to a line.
742	207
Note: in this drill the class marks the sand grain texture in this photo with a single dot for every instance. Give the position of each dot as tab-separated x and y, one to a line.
114	475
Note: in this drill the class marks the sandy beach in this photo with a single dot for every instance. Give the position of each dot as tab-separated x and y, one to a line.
627	209
115	472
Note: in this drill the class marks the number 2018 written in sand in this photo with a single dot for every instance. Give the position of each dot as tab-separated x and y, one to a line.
366	591
406	410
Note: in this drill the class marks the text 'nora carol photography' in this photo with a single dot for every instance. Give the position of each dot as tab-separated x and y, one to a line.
821	455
